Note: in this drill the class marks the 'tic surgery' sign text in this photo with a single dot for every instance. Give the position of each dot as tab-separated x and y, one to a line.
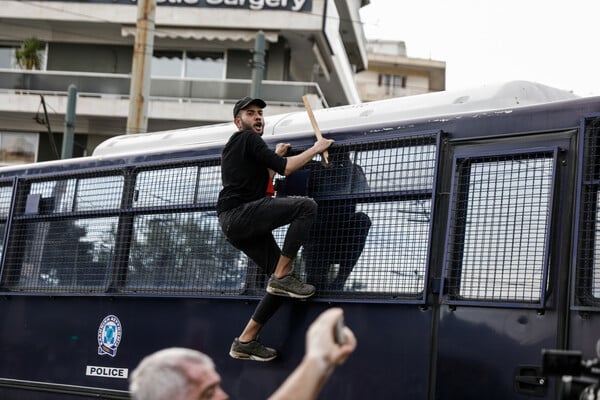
283	5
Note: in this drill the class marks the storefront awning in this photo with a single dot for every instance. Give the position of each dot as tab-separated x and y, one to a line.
203	34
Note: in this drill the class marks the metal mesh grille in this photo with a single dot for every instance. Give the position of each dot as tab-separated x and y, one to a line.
177	186
166	187
395	256
371	237
6	191
78	194
183	252
92	234
63	255
499	227
63	236
587	282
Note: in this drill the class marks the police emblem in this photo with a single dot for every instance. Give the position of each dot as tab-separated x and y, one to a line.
109	335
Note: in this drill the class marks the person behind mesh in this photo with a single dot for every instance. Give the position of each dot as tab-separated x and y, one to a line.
339	233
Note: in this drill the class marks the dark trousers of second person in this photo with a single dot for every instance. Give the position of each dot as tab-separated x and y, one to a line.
249	228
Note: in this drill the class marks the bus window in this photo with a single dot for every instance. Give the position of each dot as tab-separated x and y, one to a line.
79	194
183	252
55	196
498	243
209	185
5	200
65	240
102	193
371	236
165	187
395	256
595	283
176	251
587	284
6	191
399	168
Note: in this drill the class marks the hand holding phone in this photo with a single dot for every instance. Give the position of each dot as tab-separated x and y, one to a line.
339	331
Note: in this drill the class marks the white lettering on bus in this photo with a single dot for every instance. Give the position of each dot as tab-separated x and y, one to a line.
107	372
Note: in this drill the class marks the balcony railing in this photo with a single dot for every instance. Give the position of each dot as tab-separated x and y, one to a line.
191	89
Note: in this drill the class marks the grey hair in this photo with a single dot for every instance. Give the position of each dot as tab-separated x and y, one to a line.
160	375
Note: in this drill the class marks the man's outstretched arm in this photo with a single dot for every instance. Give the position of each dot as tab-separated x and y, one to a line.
322	355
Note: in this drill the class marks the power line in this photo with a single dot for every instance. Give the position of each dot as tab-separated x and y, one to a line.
47	123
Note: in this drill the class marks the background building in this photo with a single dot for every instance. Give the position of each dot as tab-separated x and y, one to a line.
200	64
392	74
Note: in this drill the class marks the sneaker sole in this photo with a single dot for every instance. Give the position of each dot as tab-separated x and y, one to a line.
244	356
285	293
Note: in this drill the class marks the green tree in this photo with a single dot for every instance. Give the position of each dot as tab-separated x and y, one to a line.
28	56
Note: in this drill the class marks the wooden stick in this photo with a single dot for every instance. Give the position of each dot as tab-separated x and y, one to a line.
313	121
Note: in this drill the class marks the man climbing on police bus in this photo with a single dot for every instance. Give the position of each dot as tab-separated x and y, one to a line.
248	215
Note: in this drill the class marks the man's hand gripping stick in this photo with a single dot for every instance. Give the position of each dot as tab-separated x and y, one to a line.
313	121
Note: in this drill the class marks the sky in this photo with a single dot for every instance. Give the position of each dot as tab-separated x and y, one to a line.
552	42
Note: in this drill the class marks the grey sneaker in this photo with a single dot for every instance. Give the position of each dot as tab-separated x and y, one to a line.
290	286
253	350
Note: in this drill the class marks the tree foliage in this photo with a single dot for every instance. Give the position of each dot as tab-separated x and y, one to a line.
28	55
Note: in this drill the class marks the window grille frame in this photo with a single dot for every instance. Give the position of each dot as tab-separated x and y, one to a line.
129	169
197	205
379	141
8	221
451	294
586	218
20	218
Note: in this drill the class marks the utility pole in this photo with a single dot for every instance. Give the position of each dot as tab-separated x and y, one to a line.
137	120
258	65
67	144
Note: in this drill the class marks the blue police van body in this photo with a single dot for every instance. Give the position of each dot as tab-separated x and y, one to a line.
480	251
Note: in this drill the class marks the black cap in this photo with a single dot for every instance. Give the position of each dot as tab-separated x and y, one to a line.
245	102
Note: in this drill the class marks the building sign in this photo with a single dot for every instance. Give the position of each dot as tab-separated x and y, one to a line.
260	5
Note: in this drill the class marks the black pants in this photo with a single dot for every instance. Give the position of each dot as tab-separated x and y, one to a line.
338	237
249	228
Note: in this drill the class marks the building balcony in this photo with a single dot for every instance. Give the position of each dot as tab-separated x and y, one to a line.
103	100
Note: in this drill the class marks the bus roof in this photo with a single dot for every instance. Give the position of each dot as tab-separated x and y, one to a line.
437	105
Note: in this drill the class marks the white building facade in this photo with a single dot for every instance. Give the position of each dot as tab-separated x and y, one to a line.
201	64
392	74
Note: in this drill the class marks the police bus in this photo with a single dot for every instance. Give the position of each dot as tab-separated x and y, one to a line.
457	230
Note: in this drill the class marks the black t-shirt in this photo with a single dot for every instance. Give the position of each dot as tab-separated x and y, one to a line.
245	164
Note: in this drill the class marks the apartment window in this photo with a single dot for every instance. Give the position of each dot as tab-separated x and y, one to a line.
188	64
392	83
18	148
7	57
200	64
